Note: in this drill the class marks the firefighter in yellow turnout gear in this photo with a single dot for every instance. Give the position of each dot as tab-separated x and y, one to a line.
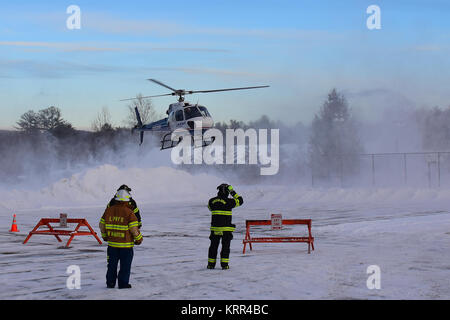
221	226
131	203
119	227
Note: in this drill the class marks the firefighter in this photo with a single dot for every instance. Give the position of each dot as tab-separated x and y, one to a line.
221	226
131	203
119	227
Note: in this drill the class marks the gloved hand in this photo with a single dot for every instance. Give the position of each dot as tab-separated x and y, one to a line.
104	237
138	239
231	190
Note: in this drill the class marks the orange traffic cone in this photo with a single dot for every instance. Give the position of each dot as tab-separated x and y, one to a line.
14	225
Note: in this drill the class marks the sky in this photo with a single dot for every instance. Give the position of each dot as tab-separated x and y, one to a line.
301	49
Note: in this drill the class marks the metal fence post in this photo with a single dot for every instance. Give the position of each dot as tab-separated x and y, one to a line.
373	170
404	169
439	169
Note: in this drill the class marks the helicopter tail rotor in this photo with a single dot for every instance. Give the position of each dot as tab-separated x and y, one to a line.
138	117
138	126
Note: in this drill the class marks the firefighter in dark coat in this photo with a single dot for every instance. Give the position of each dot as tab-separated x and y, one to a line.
131	204
221	226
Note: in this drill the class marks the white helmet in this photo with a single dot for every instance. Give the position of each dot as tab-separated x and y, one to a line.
122	195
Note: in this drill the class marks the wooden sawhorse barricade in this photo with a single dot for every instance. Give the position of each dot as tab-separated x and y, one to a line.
248	239
58	232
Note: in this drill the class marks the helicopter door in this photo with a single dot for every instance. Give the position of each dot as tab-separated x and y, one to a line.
179	115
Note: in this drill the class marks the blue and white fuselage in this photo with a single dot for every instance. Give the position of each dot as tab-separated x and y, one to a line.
182	118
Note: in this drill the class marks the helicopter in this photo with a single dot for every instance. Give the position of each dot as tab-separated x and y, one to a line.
182	117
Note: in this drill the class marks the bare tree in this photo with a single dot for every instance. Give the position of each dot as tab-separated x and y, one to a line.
103	121
145	108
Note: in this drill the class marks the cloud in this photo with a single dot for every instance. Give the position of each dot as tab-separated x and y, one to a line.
62	69
189	49
163	28
55	69
36	46
63	46
218	72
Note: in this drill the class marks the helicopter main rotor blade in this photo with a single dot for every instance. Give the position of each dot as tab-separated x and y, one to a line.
159	95
230	89
183	92
162	84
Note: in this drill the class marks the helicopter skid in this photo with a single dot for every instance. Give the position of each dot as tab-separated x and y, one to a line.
197	141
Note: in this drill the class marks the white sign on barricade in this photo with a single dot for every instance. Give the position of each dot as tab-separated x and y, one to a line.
277	221
63	220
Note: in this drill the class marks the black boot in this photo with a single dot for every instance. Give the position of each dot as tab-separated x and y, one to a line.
211	266
225	267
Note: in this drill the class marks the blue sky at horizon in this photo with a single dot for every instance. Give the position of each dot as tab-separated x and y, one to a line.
301	49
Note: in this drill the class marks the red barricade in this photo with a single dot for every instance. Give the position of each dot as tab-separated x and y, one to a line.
248	239
57	232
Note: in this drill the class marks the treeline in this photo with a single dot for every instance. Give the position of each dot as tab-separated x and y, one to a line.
294	134
45	142
317	148
331	147
43	151
435	126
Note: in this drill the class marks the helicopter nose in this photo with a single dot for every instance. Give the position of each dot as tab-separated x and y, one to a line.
206	123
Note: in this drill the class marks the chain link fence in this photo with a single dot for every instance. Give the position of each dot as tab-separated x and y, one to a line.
411	169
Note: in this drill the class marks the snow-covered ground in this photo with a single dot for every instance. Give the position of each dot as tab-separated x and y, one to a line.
406	232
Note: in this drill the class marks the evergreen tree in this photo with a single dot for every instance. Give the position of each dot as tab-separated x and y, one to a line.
47	119
334	143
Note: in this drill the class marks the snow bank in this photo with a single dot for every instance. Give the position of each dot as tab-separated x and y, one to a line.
300	195
94	187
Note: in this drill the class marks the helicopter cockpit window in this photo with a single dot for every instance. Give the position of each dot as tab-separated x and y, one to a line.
192	112
204	111
179	115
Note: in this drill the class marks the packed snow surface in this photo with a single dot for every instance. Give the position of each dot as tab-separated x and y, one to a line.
404	231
